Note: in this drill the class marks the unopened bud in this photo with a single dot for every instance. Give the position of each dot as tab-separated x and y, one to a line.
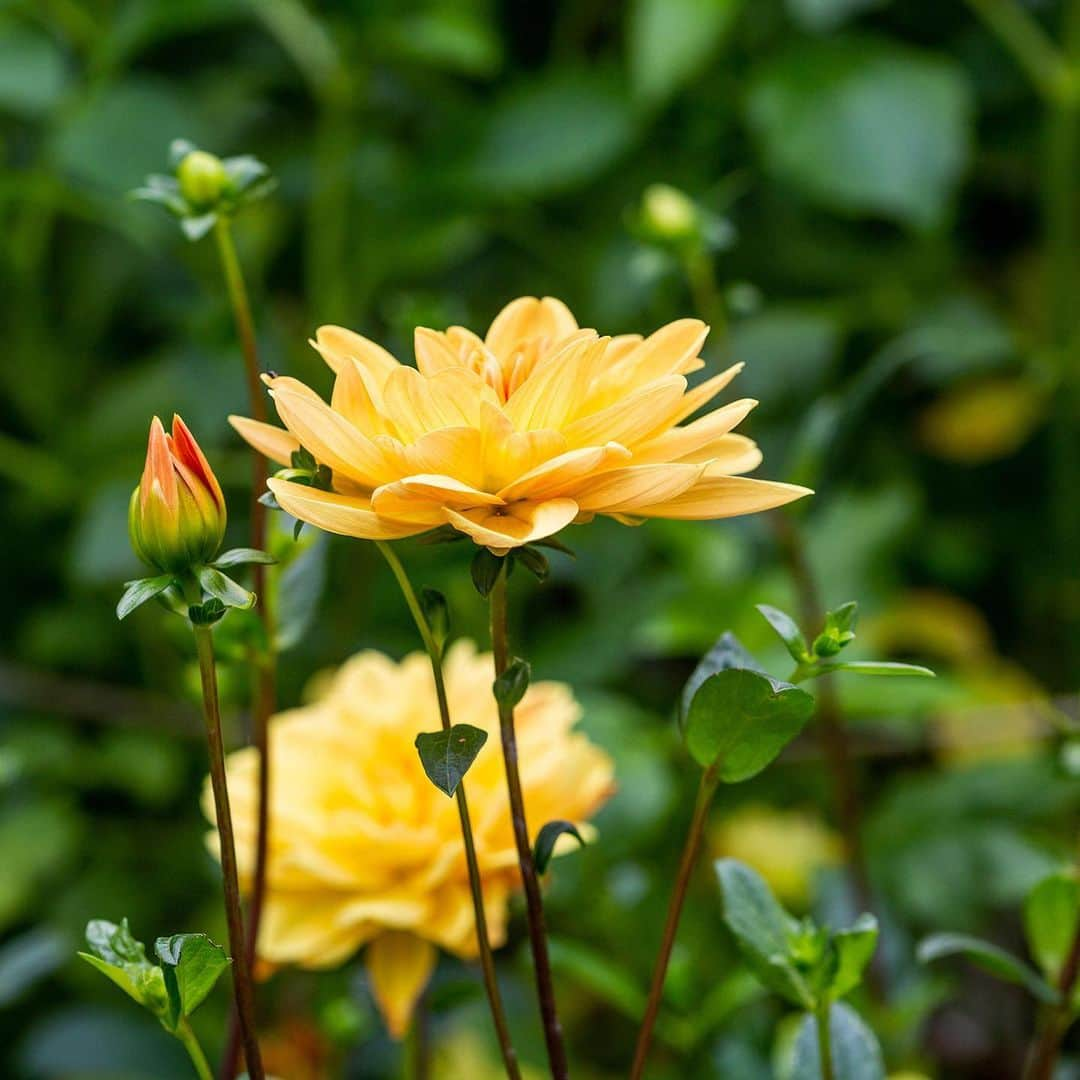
669	214
202	178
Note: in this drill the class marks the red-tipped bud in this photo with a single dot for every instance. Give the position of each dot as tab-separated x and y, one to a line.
176	518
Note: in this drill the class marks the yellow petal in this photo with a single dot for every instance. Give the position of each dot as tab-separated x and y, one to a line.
704	392
730	455
418	405
516	524
557	385
345	515
724	496
273	442
675	443
632	418
335	344
358	399
399	965
624	490
452	452
421	497
673	349
558	475
527	319
308	929
433	351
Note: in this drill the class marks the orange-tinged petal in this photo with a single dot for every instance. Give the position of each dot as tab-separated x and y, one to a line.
191	455
630	419
335	344
675	443
158	478
399	965
421	497
704	392
273	442
624	490
515	524
553	391
558	475
418	405
345	515
724	496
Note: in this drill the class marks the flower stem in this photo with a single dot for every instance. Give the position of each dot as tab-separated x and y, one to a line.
487	960
241	970
1044	1051
553	1036
195	1051
710	778
823	1020
264	694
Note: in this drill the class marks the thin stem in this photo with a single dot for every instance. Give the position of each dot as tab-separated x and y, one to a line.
553	1035
487	959
416	1060
710	778
195	1051
264	694
823	1018
241	971
701	277
1044	1051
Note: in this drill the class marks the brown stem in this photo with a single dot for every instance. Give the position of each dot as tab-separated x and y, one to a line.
706	789
241	971
1044	1051
483	940
553	1035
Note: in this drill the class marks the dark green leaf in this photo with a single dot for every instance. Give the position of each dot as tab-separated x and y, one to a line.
136	593
241	557
1051	918
485	570
447	755
856	1054
990	958
788	631
437	613
223	588
545	841
727	653
762	929
742	719
207	613
509	688
554	544
534	561
191	964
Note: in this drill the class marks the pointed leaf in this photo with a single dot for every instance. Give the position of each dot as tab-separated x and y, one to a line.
856	1054
854	949
485	571
546	838
788	631
223	588
136	593
728	652
872	667
195	228
990	958
742	719
437	613
191	964
509	688
241	557
447	755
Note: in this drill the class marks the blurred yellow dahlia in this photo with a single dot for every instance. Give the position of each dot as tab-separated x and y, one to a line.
364	850
511	437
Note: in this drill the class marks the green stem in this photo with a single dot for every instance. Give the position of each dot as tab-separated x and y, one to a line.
701	278
1042	1059
553	1035
710	779
824	1041
195	1051
264	693
241	971
487	959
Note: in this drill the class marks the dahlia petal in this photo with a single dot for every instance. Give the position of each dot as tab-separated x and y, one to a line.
704	392
624	490
516	524
272	442
550	395
335	344
399	965
421	497
190	454
307	928
632	418
345	515
729	455
417	405
722	497
434	351
556	476
357	398
675	443
528	318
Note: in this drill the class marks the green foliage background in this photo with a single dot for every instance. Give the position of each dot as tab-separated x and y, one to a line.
896	249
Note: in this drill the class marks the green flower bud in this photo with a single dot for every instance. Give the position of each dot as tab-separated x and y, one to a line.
202	178
668	214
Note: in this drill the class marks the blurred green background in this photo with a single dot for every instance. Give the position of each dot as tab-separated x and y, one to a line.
891	202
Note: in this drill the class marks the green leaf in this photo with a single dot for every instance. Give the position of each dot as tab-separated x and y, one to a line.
839	630
241	557
206	614
742	719
555	544
762	930
122	959
534	561
863	126
509	688
856	1054
670	42
191	964
872	667
854	947
990	958
447	755
223	588
437	614
485	571
34	74
789	632
195	228
298	588
136	593
545	841
1051	918
114	944
727	653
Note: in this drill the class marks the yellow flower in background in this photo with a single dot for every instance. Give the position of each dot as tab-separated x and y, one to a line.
364	850
512	437
785	846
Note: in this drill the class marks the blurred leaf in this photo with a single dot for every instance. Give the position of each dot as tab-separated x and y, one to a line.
856	1054
191	964
38	838
820	15
299	589
33	74
990	958
27	959
855	948
447	755
670	42
550	134
1052	921
547	838
510	686
242	557
864	127
741	720
599	974
453	40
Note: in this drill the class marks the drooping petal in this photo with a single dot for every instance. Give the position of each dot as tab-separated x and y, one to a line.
516	524
422	497
273	442
399	965
558	475
724	496
345	515
624	490
704	392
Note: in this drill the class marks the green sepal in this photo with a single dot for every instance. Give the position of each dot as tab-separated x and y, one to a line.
136	593
447	755
206	613
223	588
509	688
485	571
242	557
546	838
869	667
534	561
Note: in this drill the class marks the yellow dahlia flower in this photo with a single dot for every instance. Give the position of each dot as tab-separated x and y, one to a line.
364	850
511	437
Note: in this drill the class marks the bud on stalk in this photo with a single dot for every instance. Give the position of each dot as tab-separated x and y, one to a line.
176	518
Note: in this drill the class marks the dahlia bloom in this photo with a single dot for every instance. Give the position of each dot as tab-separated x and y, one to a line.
512	437
365	850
